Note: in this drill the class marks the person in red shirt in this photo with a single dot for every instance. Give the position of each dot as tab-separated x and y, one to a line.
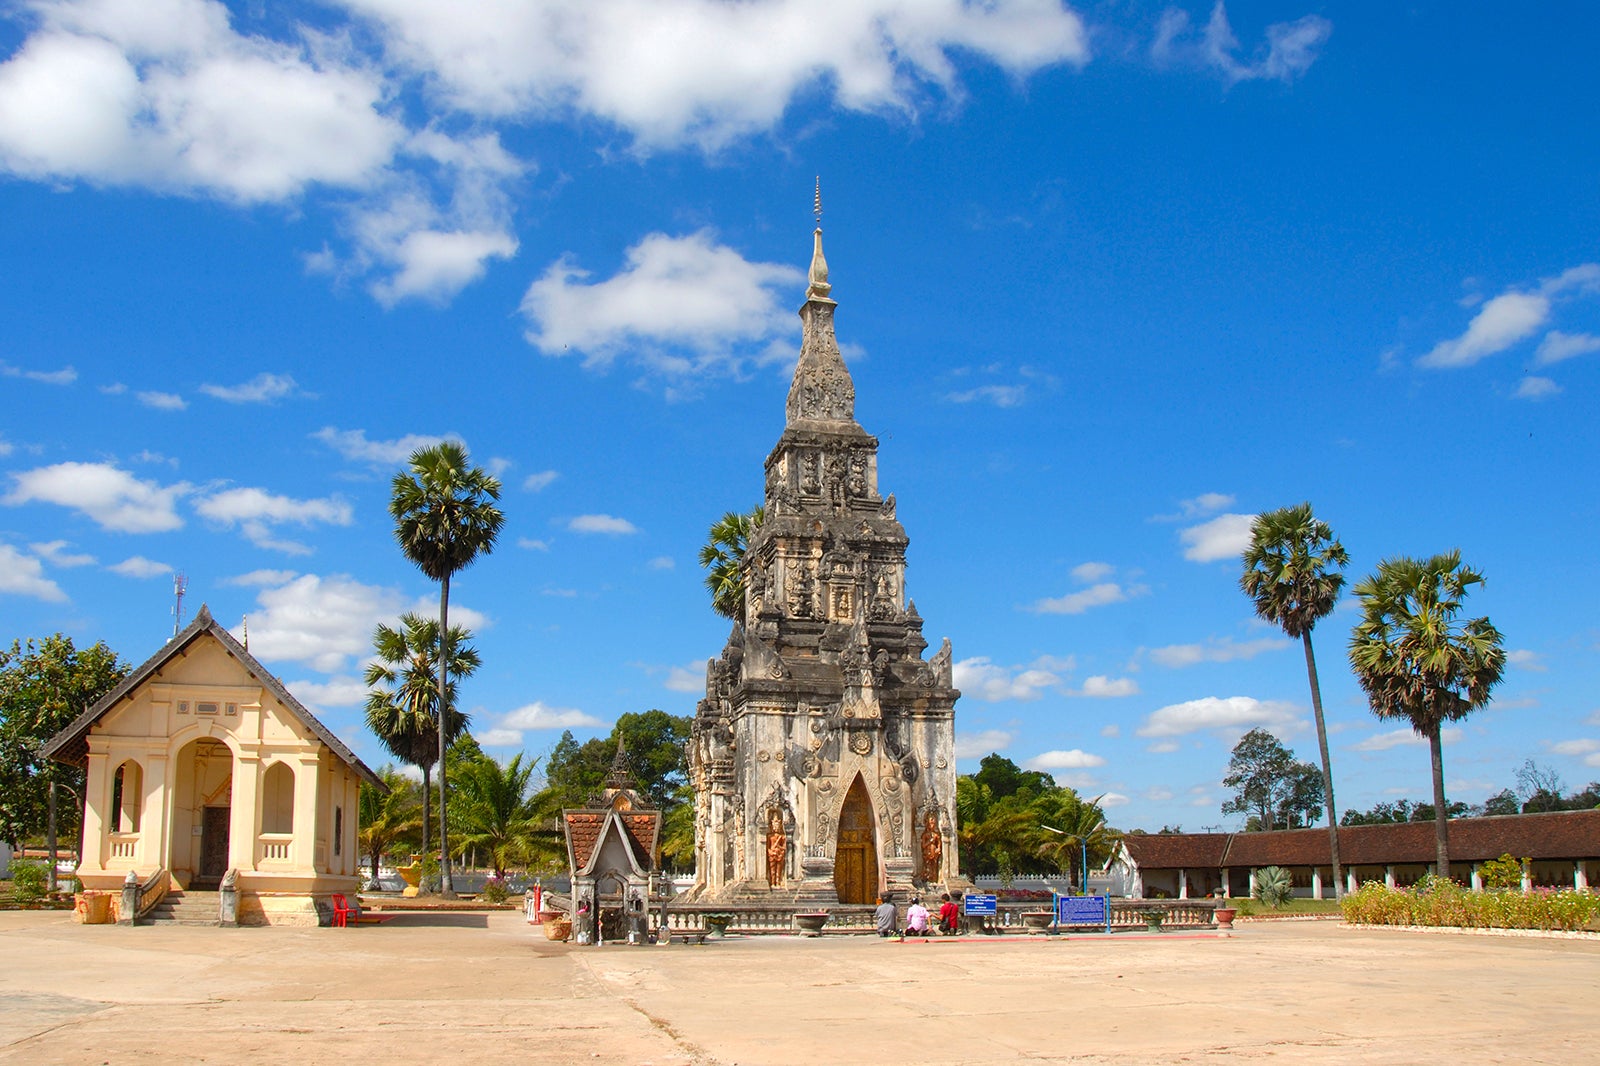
949	914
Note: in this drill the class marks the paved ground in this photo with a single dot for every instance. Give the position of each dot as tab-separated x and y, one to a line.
488	988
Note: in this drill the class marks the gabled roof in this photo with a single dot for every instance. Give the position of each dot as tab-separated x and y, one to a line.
587	831
70	746
1554	835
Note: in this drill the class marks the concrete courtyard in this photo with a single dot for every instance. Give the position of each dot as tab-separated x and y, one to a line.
487	988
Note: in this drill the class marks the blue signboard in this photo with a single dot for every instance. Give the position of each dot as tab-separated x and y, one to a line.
981	904
1082	910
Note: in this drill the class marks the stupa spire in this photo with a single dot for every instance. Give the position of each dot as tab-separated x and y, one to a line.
822	390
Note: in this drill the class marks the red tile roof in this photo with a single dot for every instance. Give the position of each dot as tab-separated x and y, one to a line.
1559	835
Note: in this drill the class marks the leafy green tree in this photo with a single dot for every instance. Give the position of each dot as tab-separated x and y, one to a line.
677	831
1417	662
498	812
1503	802
388	818
1005	778
723	555
1274	886
403	694
44	685
445	517
1293	571
1265	777
655	745
1015	821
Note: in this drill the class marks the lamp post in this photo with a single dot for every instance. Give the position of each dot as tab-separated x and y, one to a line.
1083	869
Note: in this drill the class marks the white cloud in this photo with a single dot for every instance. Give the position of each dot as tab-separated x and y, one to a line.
1107	592
1075	759
1534	387
1592	760
1088	573
1585	746
982	679
999	395
354	445
499	738
1205	503
1525	659
691	678
113	498
696	71
1406	736
533	545
1225	650
263	388
538	715
55	553
339	691
427	606
257	513
1557	346
1102	687
436	265
138	566
1223	714
1290	49
977	745
263	577
662	562
65	376
1162	747
162	401
23	575
679	305
601	523
1113	799
1224	537
1111	729
540	481
6	447
323	622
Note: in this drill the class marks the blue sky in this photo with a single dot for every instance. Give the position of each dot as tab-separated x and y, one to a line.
1111	279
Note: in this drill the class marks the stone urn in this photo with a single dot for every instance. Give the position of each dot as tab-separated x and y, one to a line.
1225	917
716	925
412	876
1038	921
557	927
1153	920
811	924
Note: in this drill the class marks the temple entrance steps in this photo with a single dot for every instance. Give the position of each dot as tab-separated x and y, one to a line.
186	908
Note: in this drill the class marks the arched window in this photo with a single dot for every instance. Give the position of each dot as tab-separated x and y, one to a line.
127	791
277	800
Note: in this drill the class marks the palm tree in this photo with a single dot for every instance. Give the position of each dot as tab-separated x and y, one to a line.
496	812
723	556
444	518
1415	661
1293	570
1081	835
403	694
387	818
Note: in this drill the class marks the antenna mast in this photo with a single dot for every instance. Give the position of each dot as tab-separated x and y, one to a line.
180	585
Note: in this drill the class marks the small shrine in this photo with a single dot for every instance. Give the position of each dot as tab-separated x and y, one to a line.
612	852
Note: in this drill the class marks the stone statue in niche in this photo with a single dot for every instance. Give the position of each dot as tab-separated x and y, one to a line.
834	473
777	848
841	603
810	479
856	482
932	846
880	666
802	592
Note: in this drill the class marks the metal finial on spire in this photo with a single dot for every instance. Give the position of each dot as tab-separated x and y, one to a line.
816	205
818	287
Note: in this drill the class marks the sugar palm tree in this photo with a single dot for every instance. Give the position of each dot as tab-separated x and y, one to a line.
403	694
388	817
1293	571
497	813
444	518
1417	662
722	557
1079	837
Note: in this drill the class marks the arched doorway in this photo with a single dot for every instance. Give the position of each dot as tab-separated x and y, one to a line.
202	813
855	859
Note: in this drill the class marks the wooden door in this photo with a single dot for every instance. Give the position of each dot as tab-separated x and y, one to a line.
855	859
214	842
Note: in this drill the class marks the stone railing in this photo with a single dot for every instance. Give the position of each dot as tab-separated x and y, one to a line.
275	846
139	898
754	918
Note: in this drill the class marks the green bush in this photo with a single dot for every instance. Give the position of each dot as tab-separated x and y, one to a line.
1274	886
494	891
28	880
1437	902
1504	872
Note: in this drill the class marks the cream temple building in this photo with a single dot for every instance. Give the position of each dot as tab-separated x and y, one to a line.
203	769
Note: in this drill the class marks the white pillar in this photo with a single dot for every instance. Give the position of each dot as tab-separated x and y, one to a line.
1477	877
1350	879
1527	876
1580	876
1388	876
1183	883
1316	882
1227	889
1252	882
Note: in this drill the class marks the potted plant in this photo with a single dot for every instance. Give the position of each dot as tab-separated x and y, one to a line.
1153	919
717	923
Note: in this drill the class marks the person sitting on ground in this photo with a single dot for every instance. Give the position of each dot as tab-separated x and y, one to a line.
885	915
917	918
949	915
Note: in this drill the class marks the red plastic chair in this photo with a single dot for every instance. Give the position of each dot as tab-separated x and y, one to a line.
343	912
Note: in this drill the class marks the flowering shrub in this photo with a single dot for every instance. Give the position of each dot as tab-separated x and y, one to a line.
1439	902
494	891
